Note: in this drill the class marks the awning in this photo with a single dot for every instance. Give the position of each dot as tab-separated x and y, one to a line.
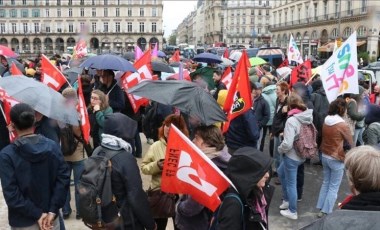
329	47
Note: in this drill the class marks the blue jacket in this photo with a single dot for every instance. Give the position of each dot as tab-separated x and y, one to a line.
243	131
35	179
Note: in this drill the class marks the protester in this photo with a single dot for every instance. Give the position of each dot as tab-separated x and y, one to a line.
375	96
153	161
190	214
268	77
371	135
219	85
287	171
248	169
47	127
34	175
335	132
126	180
113	91
355	114
98	111
261	109
269	94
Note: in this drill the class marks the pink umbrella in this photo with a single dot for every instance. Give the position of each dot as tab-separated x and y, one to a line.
6	51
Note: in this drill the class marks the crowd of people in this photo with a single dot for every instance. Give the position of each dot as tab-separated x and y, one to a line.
35	175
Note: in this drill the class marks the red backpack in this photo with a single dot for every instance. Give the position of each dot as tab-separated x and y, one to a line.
305	143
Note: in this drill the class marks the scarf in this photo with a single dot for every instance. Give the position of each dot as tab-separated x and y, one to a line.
260	208
115	143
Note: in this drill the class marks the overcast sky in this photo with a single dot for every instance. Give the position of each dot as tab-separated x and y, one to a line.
175	12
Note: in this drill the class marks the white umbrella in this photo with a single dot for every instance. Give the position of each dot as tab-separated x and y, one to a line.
284	71
235	55
227	62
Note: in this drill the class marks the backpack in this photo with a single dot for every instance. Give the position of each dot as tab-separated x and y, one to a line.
305	143
97	205
148	121
69	142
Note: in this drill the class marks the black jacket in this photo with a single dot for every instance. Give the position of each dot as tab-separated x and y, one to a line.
321	109
279	118
48	128
4	133
369	201
262	111
218	86
35	179
115	96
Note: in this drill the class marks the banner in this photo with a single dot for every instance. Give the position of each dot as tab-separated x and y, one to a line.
294	53
82	110
301	73
227	77
80	49
50	75
339	74
187	170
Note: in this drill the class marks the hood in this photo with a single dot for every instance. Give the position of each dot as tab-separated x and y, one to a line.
333	120
220	158
246	167
34	148
119	125
269	89
321	91
316	85
305	117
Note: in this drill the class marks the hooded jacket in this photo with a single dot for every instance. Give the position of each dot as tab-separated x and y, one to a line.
35	179
115	96
292	129
321	108
269	94
246	167
335	131
126	180
279	118
262	111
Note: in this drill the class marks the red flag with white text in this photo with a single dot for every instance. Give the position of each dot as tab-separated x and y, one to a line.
301	73
187	170
239	98
81	108
14	70
129	80
227	77
50	75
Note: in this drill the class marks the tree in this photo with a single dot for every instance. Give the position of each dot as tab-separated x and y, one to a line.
173	39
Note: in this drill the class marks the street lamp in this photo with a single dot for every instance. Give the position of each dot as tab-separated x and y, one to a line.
254	35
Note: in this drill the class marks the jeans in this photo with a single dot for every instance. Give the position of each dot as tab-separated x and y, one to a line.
260	138
77	167
358	136
332	177
277	155
287	172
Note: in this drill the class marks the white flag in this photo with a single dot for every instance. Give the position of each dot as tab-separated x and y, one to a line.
294	53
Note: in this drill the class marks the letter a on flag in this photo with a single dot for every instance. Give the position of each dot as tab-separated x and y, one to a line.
51	76
81	108
187	170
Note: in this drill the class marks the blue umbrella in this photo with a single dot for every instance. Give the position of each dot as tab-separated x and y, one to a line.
108	61
207	58
161	54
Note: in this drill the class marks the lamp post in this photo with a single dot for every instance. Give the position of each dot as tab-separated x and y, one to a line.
254	35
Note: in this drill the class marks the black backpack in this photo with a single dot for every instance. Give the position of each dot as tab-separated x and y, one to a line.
97	205
69	142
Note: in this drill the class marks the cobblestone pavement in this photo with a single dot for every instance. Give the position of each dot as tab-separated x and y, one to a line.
306	208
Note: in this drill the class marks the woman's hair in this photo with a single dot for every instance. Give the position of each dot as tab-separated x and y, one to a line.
102	97
283	86
176	120
338	107
22	116
363	164
296	102
211	136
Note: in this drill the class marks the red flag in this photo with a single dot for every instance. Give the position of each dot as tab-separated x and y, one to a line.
128	80
175	57
8	102
14	70
82	110
227	77
284	63
239	99
187	170
226	53
51	76
301	73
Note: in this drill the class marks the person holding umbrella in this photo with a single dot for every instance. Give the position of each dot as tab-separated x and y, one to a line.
110	87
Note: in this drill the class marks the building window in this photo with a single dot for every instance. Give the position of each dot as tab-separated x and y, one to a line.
105	2
362	31
93	2
93	12
105	27
154	27
81	26
14	27
13	13
47	13
59	27
82	12
117	12
2	27
71	27
325	9
334	33
12	2
347	32
24	13
252	12
154	12
129	26
336	7
105	12
24	2
142	27
129	12
47	29
36	27
142	2
349	6
1	2
36	13
25	27
58	2
141	11
70	12
117	27
364	6
82	2
93	27
59	12
2	13
47	2
70	2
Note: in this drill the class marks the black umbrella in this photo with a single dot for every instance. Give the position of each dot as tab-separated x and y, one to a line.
207	58
186	96
162	67
130	56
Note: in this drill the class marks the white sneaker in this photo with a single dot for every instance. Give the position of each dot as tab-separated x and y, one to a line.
287	213
284	205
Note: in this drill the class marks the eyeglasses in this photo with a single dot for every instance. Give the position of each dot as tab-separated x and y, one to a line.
95	98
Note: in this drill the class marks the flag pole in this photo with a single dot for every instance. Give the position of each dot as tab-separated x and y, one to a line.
2	111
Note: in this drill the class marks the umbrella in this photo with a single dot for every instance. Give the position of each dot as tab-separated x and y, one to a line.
108	61
6	51
10	61
207	58
161	54
255	61
227	62
130	56
41	98
235	55
162	67
72	74
186	96
284	71
76	62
